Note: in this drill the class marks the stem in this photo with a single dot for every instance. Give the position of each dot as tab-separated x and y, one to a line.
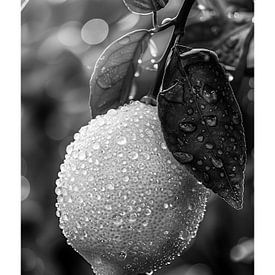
155	19
24	4
179	23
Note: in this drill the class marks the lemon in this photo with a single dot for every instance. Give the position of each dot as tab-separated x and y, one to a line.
125	204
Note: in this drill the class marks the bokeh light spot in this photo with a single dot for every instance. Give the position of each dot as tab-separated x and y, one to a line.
94	31
199	269
69	34
243	251
25	188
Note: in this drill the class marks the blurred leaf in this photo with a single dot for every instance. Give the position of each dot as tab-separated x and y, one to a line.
111	81
202	123
145	6
224	35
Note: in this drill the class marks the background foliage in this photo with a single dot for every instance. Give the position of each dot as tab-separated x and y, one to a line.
61	41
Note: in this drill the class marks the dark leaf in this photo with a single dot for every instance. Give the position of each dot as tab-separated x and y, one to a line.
111	81
202	123
145	6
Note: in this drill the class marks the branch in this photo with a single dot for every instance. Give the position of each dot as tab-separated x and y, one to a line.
179	22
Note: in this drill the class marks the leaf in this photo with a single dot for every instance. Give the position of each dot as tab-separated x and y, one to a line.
111	81
224	36
145	6
202	123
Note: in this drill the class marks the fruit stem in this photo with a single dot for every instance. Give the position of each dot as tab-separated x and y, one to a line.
155	19
179	22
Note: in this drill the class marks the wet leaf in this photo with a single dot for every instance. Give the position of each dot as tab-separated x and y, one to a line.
111	81
145	6
202	122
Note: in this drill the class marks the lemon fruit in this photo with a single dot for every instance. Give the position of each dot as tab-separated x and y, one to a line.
125	204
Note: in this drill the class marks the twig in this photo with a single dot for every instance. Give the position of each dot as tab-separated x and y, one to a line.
24	4
155	19
179	22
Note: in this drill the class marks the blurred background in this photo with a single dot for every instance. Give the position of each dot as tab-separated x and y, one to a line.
61	41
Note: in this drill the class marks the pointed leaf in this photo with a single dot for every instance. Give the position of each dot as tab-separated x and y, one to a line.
111	81
202	123
145	6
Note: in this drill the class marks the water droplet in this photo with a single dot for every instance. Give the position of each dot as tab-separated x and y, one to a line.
82	155
117	220
95	146
141	166
183	157
133	155
163	146
187	127
190	111
211	121
217	162
133	217
200	138
123	255
199	162
121	140
148	212
209	146
209	95
108	207
110	186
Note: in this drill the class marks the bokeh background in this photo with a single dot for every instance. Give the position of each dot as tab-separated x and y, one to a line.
61	41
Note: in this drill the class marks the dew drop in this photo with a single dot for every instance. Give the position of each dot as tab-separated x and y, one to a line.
110	186
108	207
187	127
58	191
183	157
123	255
200	138
121	140
217	162
210	96
95	146
117	220
82	155
211	121
190	111
148	212
133	217
133	155
163	146
209	146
